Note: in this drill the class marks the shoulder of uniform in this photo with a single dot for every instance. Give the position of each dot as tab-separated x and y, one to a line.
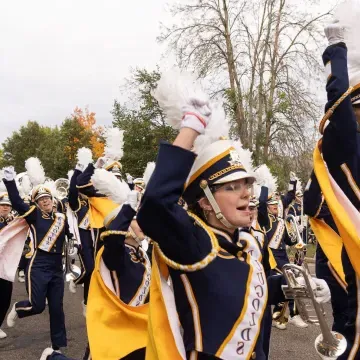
31	210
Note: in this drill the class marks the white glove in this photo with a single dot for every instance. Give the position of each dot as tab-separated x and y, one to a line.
79	167
322	291
133	199
320	288
129	178
292	176
9	173
100	162
334	33
196	116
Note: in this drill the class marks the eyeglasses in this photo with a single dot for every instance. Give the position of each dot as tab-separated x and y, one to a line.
236	187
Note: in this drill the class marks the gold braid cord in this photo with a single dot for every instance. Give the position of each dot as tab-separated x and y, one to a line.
332	109
201	264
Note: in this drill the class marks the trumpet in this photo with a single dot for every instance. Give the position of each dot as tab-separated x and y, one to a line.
72	271
294	232
329	344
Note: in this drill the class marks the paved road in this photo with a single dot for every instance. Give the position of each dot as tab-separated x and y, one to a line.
30	336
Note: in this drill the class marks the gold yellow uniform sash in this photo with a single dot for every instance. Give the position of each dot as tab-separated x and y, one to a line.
346	217
99	208
114	328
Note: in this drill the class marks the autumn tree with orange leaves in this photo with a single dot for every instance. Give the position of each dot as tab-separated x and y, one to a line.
81	130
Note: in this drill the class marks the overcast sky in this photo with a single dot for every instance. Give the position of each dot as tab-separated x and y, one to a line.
58	54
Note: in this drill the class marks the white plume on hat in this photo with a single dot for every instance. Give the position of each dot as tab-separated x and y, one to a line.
348	14
84	156
114	143
150	167
264	177
35	171
245	156
50	184
174	91
108	184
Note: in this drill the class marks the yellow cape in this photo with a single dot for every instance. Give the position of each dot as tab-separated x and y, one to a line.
346	218
99	208
114	328
161	343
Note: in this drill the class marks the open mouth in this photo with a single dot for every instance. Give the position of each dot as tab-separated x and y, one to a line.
243	208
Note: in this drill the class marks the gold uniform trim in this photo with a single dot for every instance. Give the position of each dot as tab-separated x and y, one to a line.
32	208
215	247
114	232
195	312
226	170
351	180
84	186
207	165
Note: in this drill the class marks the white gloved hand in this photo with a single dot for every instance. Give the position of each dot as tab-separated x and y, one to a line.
129	178
9	173
133	199
320	288
322	291
292	176
80	167
100	162
196	115
334	33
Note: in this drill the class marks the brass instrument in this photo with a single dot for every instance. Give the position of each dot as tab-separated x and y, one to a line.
329	344
62	186
72	271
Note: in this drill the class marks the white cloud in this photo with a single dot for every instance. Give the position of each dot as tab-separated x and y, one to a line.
58	54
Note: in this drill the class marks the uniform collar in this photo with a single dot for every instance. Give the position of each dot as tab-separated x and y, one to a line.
232	238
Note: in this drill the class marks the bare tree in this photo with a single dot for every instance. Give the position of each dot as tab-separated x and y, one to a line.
268	52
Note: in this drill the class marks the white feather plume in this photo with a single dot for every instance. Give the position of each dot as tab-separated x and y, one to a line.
26	184
2	185
108	184
70	174
35	171
150	167
265	178
245	157
218	127
84	156
114	143
50	184
299	185
176	90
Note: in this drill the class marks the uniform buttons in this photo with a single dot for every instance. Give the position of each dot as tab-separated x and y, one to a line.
253	355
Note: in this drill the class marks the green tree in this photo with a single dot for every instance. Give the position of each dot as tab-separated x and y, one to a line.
143	122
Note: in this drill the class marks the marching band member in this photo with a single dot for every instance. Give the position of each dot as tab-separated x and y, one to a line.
79	204
119	295
339	149
201	251
110	162
278	239
296	209
5	285
45	272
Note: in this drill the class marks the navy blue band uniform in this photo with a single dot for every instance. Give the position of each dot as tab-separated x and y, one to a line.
80	206
185	239
45	272
341	152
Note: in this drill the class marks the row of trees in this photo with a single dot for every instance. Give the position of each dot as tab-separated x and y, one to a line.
56	147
